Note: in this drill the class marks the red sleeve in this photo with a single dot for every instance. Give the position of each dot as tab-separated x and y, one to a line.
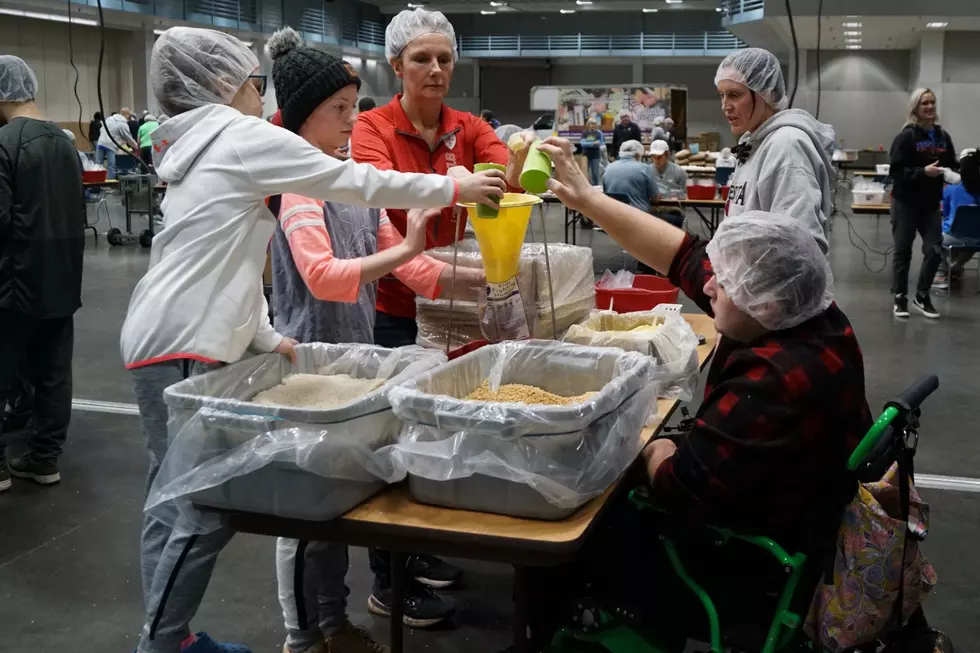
421	273
328	278
691	269
368	145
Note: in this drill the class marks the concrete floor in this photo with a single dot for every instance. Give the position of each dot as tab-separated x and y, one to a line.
68	554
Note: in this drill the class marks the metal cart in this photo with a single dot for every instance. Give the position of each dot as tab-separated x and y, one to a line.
141	194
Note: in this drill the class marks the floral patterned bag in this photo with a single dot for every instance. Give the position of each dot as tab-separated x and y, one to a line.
858	607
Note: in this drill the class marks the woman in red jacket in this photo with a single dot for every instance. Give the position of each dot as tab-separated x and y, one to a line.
416	132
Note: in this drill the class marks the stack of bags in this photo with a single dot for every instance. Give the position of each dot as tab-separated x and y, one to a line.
573	284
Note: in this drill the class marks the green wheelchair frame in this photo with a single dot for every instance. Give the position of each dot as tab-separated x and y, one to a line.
891	435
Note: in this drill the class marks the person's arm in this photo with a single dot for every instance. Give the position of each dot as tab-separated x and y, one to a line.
266	339
743	427
6	193
652	191
903	165
655	242
637	134
420	273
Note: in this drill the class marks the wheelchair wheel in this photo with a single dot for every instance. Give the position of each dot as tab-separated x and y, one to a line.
146	238
112	236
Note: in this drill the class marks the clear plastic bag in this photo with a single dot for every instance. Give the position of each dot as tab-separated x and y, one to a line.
572	280
611	281
566	454
226	452
672	342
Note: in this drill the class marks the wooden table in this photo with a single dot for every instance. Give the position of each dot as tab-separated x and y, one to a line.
716	206
871	209
393	520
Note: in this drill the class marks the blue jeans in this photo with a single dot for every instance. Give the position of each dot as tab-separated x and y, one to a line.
102	154
595	171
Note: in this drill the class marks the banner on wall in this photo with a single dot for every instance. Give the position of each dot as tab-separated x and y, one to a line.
604	103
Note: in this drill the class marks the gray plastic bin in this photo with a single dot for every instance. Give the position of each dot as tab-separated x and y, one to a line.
532	461
228	453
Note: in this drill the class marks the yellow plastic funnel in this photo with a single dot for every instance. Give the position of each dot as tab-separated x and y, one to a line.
500	238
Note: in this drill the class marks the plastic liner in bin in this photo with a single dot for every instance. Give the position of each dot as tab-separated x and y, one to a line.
532	461
226	452
673	343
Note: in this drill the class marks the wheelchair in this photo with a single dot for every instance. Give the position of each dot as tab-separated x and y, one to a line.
893	438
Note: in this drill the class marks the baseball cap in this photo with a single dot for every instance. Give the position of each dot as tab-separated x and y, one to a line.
659	147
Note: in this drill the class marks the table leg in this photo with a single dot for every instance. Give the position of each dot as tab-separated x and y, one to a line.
520	609
705	221
398	580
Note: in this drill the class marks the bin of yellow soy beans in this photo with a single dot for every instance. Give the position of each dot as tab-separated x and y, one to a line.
531	429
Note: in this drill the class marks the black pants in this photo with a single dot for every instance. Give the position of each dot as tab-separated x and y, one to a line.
48	345
908	219
146	154
389	331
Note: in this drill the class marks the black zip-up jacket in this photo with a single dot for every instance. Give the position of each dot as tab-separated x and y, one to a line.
912	150
42	220
623	133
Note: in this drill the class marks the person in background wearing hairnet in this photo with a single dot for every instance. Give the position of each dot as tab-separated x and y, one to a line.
327	258
763	443
784	155
658	133
962	189
625	130
417	132
200	304
673	142
42	216
630	177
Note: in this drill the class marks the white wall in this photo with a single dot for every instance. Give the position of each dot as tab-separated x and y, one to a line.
960	94
44	46
863	94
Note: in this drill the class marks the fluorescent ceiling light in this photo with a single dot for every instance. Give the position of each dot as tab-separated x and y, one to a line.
852	41
674	2
484	12
583	3
937	25
566	11
498	4
58	18
718	9
853	47
855	33
851	25
415	6
650	11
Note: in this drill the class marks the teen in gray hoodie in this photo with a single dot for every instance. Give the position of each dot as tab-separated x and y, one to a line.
784	155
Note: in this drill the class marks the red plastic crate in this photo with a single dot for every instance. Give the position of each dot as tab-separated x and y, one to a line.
724	192
701	192
647	292
94	176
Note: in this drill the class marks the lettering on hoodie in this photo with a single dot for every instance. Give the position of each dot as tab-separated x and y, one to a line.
736	196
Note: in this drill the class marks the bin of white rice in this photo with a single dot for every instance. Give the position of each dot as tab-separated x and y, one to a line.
530	429
661	333
292	440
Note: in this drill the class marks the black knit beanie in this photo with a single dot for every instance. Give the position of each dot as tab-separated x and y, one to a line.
304	77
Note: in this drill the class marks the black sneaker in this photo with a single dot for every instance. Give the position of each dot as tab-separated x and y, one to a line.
5	482
39	472
433	571
901	306
923	303
423	607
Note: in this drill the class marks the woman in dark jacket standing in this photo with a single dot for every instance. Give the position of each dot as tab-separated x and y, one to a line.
918	155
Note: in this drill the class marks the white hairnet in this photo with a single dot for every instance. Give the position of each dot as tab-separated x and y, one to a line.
624	112
669	122
17	80
149	117
192	67
759	70
771	268
70	134
410	24
658	121
504	132
632	149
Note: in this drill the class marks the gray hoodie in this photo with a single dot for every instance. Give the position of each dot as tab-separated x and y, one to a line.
788	170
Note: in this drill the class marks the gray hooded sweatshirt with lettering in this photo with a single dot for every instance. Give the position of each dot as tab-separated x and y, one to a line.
788	170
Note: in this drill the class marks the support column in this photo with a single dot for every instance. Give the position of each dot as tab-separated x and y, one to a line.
927	69
637	72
